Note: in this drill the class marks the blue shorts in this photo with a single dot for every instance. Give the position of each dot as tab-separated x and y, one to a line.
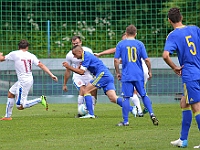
105	81
128	88
192	91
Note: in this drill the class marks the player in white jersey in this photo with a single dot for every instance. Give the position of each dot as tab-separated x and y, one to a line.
134	98
79	81
23	61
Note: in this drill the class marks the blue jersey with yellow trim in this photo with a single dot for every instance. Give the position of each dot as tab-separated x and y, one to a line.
186	42
93	64
131	51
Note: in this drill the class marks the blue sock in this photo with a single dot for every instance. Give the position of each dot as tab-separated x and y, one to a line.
197	117
125	109
119	101
88	101
147	104
186	122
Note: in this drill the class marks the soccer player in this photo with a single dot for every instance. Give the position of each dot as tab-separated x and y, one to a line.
134	98
79	81
23	61
130	51
185	41
103	78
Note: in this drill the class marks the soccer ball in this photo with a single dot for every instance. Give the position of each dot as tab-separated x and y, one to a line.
82	109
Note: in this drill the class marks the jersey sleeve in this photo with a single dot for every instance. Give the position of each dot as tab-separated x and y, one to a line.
144	52
68	59
118	51
35	60
170	45
10	56
86	60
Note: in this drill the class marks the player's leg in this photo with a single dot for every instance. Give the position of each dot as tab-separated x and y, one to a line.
87	80
88	100
185	125
80	86
10	101
109	90
22	101
127	90
146	101
94	98
136	102
191	97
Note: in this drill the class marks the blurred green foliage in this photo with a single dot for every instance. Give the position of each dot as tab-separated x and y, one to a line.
100	23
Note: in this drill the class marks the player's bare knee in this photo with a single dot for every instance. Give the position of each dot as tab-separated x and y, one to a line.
10	95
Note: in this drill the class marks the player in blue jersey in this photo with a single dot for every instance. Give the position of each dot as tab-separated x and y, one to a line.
103	78
185	40
131	51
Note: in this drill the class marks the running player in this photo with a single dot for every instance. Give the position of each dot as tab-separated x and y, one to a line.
23	61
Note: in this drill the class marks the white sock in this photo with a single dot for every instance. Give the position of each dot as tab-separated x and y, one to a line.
30	103
9	107
136	102
93	102
80	100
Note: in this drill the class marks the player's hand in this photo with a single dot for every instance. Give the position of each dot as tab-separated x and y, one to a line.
65	64
118	76
150	75
178	70
65	88
54	78
1	54
96	54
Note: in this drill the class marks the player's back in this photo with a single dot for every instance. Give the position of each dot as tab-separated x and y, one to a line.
94	64
23	61
131	51
187	40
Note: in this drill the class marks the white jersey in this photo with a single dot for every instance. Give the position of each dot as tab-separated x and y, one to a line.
76	63
23	61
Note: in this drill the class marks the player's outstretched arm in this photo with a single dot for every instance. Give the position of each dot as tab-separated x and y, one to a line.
106	52
45	69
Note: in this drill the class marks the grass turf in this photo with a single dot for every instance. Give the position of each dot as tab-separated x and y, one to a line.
57	129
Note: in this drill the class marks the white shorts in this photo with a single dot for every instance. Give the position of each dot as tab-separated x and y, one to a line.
81	81
14	88
21	90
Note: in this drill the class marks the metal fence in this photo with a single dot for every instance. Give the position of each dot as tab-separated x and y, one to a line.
49	24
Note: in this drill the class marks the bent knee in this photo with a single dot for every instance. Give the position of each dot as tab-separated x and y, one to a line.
20	107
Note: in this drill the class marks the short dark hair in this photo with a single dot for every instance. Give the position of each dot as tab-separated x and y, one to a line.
131	30
23	44
75	37
174	15
76	47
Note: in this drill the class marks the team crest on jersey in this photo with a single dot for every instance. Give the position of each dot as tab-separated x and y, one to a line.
79	83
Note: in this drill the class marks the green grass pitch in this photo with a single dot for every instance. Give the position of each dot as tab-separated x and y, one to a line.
57	129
